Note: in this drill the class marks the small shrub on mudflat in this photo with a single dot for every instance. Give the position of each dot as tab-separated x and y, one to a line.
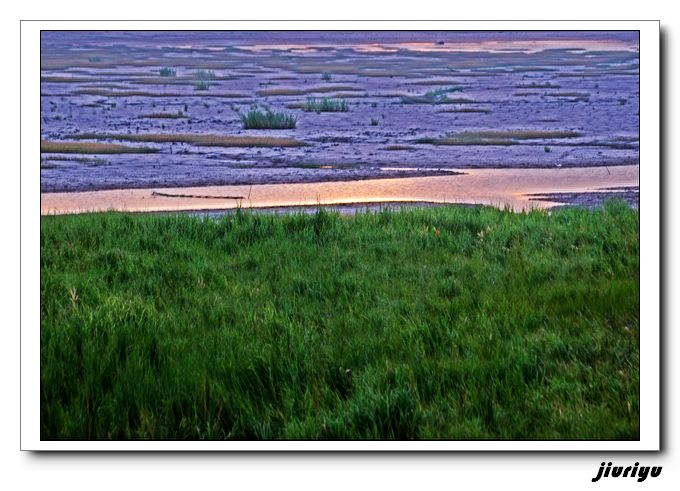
168	72
325	105
257	119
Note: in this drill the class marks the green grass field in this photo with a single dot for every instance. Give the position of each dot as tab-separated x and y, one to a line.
437	323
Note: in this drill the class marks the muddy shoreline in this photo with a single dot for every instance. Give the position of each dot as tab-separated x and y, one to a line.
288	176
199	181
593	199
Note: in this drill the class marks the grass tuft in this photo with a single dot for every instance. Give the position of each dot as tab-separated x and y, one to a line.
201	85
168	72
177	115
202	79
204	75
396	148
257	119
325	105
466	110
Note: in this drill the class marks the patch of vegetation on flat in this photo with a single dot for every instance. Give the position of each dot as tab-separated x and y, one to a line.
261	119
167	72
434	81
176	115
143	93
532	69
311	90
459	100
54	79
439	323
325	105
466	110
174	80
538	85
347	95
503	137
201	85
338	96
89	147
49	162
99	86
196	139
203	79
204	75
395	148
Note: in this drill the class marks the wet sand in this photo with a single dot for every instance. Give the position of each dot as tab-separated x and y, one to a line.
497	187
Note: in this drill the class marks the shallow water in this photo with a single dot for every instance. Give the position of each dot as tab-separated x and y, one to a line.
497	187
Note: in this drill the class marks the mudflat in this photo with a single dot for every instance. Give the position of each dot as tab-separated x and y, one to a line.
168	110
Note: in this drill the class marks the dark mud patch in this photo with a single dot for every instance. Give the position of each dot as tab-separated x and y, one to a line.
535	85
399	148
195	139
200	196
497	138
593	199
57	160
466	110
225	174
177	115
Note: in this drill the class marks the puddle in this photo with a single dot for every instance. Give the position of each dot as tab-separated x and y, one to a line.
497	187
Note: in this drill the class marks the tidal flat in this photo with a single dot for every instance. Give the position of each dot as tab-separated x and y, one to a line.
356	106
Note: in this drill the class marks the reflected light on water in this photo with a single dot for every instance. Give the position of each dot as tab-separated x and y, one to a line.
496	187
522	46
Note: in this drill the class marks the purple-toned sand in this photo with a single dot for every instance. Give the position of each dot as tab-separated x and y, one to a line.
418	103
